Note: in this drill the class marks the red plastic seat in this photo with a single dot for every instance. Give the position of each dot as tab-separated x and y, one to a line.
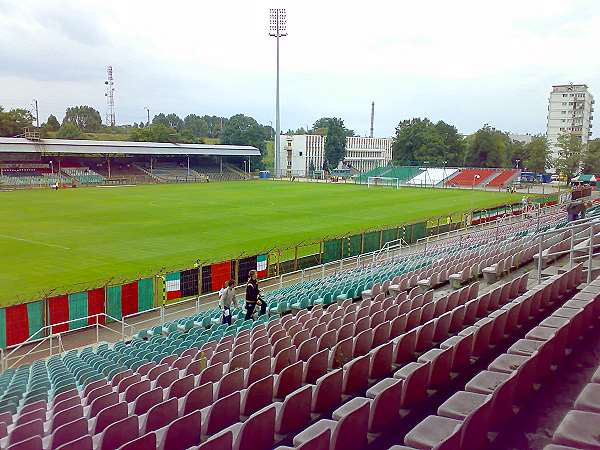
144	442
183	433
221	414
119	433
381	361
578	429
147	400
196	399
256	432
327	393
348	433
294	413
180	387
109	415
231	382
356	376
69	432
258	395
288	380
160	415
316	366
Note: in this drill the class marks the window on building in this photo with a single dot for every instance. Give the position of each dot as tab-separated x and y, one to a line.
300	154
563	112
564	95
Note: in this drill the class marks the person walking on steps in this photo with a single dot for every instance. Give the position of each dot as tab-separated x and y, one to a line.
226	299
253	296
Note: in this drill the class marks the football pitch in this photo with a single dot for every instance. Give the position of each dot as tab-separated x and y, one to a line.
74	239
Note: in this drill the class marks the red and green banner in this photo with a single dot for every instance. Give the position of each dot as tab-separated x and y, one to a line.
58	312
24	321
129	298
219	274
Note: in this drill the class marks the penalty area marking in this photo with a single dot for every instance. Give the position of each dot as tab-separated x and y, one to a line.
33	242
117	185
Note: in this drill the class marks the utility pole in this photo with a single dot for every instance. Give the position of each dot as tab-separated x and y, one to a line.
277	29
148	111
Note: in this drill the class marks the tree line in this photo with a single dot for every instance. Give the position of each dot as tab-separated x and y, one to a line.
416	141
421	141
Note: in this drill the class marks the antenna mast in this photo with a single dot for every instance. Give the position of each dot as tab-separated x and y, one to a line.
372	118
110	97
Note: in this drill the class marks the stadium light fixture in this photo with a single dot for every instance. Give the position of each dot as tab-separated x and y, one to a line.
277	29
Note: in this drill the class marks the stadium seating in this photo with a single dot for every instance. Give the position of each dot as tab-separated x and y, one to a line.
432	176
503	178
83	175
376	344
471	177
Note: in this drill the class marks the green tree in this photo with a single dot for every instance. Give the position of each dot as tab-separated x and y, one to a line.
311	168
68	130
84	117
154	133
215	125
322	125
421	141
591	158
335	144
570	154
13	122
244	130
52	123
488	148
537	155
196	125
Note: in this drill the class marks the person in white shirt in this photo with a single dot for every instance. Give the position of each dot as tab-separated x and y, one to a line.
226	299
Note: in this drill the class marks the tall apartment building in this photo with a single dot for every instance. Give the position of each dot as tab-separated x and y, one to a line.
362	153
570	109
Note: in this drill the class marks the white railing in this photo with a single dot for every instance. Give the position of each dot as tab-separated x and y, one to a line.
588	227
14	356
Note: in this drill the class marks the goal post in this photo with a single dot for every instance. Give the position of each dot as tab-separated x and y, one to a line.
384	181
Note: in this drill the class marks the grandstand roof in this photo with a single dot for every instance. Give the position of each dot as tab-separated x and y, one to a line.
56	146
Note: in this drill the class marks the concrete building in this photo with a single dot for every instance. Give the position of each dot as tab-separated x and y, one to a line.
570	109
362	153
523	138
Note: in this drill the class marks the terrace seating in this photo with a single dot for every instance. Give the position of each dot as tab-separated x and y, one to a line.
470	177
503	178
432	176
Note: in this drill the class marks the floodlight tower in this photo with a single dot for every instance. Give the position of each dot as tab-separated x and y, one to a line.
110	97
277	29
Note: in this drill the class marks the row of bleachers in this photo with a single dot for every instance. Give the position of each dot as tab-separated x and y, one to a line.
261	382
83	175
40	175
471	177
172	171
503	178
432	176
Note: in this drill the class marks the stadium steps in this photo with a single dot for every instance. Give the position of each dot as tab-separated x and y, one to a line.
503	178
467	177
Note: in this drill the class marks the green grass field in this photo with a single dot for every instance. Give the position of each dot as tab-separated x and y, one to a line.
74	239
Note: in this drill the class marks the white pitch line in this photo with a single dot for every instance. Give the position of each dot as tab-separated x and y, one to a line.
34	242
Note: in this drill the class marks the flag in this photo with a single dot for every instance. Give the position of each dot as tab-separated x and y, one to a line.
173	285
261	266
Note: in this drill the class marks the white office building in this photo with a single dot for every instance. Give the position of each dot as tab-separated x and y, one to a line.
570	109
362	153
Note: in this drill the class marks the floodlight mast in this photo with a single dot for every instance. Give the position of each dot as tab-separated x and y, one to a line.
277	29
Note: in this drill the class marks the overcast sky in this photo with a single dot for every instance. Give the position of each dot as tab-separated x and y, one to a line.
465	62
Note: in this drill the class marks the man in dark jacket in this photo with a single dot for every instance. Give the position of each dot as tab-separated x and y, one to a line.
253	296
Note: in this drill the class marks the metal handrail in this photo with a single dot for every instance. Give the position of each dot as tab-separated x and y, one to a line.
38	341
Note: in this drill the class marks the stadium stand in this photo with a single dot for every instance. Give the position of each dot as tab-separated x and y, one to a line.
31	176
337	376
170	171
432	176
471	177
503	178
83	175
